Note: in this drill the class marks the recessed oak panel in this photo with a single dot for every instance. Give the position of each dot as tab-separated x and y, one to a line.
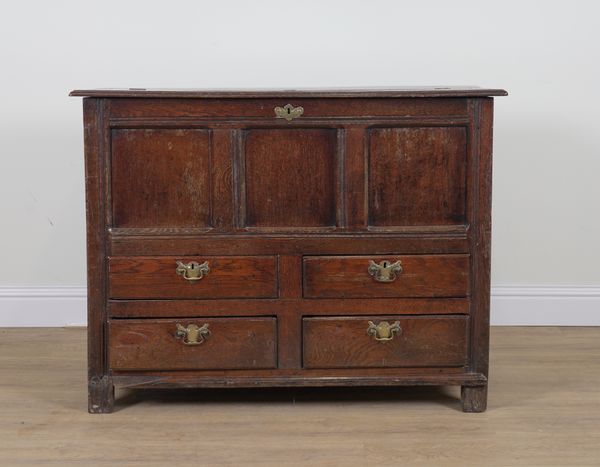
160	178
417	176
290	178
343	342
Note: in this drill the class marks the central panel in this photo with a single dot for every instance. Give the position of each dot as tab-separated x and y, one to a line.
290	178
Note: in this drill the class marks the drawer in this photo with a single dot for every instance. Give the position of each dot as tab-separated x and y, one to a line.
385	341
195	277
192	344
386	277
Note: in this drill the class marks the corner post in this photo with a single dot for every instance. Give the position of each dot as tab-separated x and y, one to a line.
474	398
100	386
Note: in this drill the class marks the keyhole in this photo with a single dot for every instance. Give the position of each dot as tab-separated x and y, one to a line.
193	265
289	111
385	264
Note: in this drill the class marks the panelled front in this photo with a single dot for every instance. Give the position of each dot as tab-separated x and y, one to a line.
169	175
273	194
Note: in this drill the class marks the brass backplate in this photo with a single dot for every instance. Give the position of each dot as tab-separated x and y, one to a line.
193	334
288	112
385	271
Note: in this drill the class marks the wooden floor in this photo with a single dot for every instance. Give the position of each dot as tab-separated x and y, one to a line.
544	410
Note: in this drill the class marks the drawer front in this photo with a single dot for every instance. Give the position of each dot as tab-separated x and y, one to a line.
384	341
195	277
193	344
386	277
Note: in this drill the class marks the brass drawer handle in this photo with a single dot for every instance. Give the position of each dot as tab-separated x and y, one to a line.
192	334
192	271
384	331
385	271
289	112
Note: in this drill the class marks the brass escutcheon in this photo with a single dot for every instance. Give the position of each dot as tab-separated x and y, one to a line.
383	331
385	271
192	271
289	112
192	334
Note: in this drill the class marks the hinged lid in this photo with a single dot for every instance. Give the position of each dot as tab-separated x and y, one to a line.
377	92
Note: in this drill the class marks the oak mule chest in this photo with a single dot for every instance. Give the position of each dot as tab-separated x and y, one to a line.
288	238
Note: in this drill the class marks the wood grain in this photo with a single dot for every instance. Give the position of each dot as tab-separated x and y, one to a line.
161	178
314	377
289	178
474	398
481	238
216	108
222	180
421	276
410	242
355	174
389	92
100	387
233	343
417	176
229	277
283	306
342	342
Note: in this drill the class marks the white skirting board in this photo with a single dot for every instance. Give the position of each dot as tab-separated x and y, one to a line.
42	306
512	305
545	305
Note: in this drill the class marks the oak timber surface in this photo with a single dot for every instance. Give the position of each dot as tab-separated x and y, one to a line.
414	91
544	410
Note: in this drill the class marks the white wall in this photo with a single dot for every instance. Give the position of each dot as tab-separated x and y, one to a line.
547	149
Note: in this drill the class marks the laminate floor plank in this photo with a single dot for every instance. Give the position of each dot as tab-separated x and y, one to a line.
543	410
